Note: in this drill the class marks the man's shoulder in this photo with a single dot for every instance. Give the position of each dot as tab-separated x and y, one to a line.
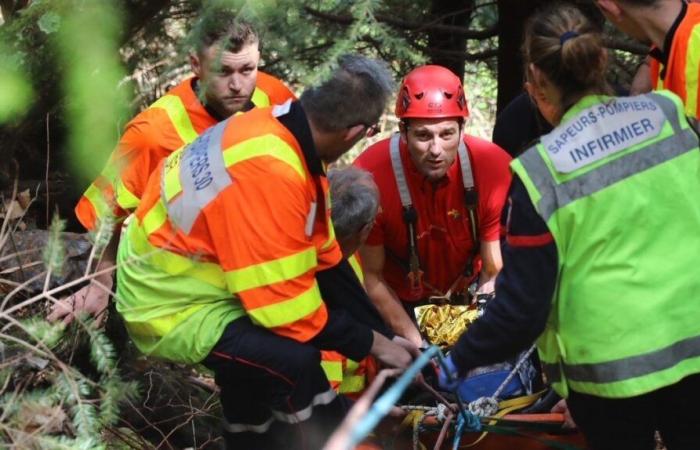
264	78
183	88
483	151
276	89
491	164
177	100
375	158
693	13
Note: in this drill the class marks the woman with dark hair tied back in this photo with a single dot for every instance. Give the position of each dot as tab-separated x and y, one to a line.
601	230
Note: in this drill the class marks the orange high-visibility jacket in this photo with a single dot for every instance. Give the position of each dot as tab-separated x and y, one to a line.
345	375
172	121
239	209
681	73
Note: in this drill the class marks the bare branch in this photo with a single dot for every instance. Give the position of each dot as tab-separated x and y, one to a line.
625	45
407	25
480	56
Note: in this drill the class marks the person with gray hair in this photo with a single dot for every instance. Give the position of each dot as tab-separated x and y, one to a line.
355	200
239	223
356	92
355	204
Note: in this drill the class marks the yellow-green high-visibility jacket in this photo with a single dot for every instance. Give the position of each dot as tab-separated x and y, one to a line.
617	184
235	224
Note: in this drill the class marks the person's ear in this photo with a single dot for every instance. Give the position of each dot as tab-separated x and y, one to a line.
366	228
354	133
609	8
533	83
403	130
542	93
196	64
538	77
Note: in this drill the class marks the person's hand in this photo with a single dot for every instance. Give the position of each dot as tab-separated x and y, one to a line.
451	382
407	345
641	82
488	287
413	335
562	407
91	299
389	353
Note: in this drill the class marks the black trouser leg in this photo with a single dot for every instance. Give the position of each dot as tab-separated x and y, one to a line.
678	416
274	393
613	424
630	423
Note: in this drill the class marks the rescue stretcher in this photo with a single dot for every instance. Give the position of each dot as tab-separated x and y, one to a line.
439	420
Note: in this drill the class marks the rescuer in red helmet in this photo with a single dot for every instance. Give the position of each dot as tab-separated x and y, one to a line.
442	193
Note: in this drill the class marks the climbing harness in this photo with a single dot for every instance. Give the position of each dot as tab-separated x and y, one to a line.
410	217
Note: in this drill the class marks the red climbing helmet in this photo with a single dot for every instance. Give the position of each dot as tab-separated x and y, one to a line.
431	92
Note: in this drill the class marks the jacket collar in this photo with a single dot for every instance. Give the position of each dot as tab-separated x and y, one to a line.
296	122
663	54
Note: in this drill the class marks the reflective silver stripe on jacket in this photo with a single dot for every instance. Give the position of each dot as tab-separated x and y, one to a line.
400	176
248	428
626	368
281	110
695	124
203	176
556	196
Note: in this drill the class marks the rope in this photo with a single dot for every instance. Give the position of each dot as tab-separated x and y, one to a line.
471	424
490	407
414	420
383	404
467	421
512	373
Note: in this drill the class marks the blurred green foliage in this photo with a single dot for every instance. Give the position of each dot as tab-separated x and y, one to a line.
15	91
89	49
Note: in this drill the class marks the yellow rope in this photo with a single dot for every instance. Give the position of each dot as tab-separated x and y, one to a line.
505	407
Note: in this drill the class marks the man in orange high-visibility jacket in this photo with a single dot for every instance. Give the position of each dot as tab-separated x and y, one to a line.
673	28
355	201
220	263
226	82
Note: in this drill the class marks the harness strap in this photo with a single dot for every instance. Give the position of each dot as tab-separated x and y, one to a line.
410	216
471	201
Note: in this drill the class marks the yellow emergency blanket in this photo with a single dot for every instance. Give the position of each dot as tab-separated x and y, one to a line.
443	324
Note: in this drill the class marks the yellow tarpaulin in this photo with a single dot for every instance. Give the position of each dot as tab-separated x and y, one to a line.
443	324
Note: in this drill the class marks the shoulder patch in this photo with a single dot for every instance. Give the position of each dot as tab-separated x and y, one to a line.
601	130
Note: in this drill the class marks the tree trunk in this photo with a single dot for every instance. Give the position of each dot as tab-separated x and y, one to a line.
8	8
444	48
511	24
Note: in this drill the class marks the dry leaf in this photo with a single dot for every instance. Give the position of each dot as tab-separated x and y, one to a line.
13	208
34	415
24	198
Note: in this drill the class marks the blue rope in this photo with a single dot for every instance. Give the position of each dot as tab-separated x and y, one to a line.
381	407
470	424
383	404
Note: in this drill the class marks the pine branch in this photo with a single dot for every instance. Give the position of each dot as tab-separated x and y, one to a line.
407	25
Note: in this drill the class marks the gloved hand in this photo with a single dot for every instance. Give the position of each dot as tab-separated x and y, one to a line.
451	382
